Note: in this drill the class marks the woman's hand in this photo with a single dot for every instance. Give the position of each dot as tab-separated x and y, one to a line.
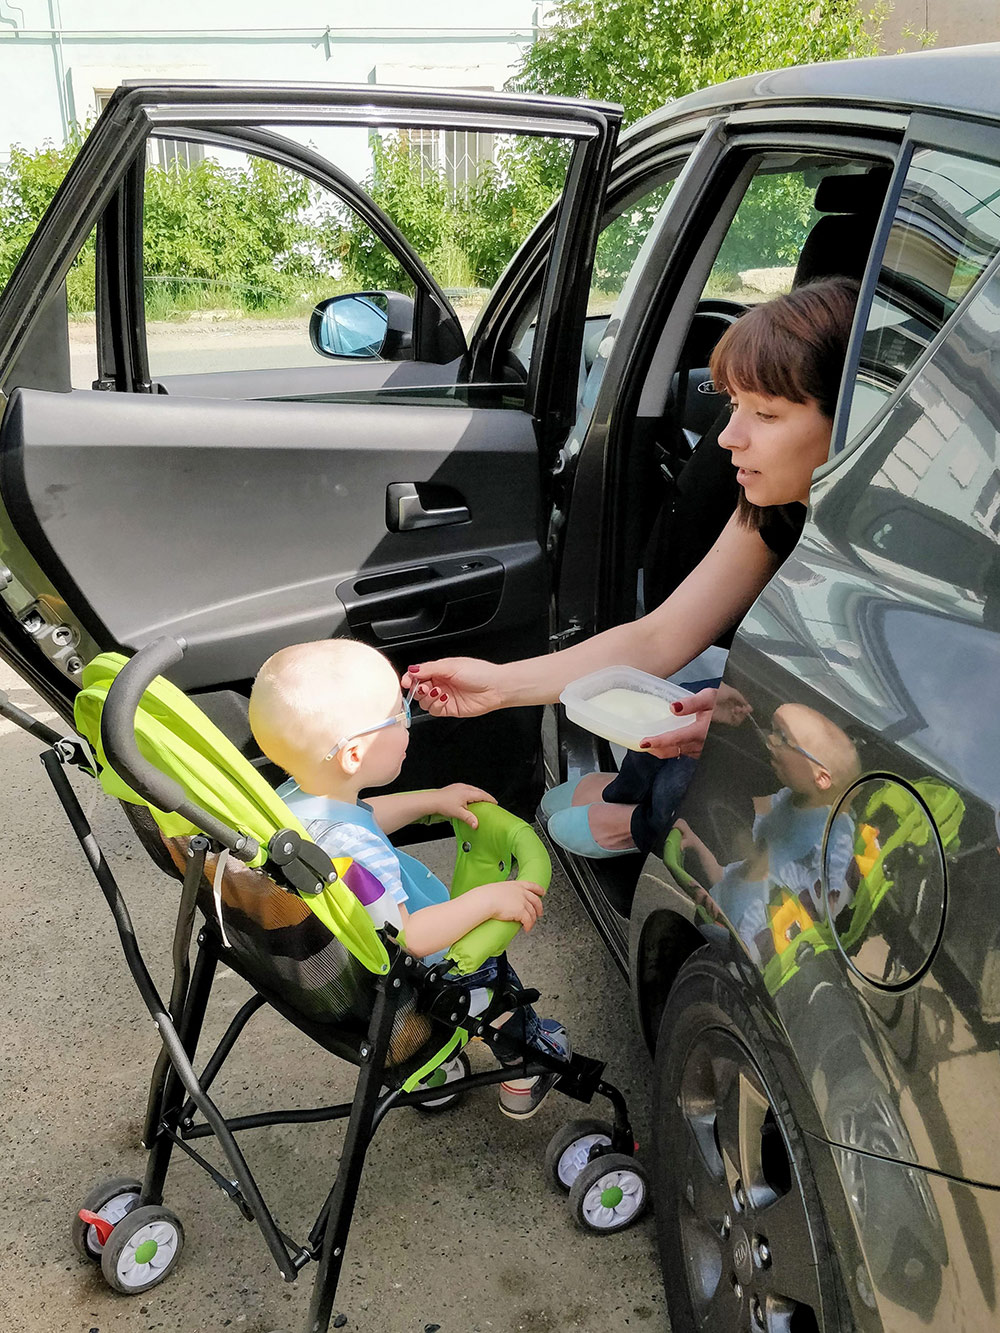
453	802
724	704
456	686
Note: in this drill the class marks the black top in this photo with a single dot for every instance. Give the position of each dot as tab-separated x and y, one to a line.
782	528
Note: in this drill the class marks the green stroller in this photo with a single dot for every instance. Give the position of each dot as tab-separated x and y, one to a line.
274	909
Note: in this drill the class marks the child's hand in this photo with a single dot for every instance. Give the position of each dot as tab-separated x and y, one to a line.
688	839
453	802
515	900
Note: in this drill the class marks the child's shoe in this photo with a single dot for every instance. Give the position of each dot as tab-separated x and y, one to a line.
520	1098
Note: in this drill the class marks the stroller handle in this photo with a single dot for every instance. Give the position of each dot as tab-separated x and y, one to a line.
122	750
118	723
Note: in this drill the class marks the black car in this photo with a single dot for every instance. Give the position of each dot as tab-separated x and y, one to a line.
825	1033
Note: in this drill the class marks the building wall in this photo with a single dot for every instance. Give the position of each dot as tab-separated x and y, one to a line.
55	54
955	22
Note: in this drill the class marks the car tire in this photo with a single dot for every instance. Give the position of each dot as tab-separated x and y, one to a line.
742	1234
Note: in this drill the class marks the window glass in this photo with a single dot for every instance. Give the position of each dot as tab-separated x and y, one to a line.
237	251
945	231
620	242
758	256
923	493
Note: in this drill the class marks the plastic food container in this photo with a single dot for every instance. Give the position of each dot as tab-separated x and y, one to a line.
624	705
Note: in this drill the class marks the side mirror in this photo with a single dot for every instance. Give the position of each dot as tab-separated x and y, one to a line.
364	324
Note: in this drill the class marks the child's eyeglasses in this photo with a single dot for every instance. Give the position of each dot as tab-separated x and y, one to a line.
402	718
775	739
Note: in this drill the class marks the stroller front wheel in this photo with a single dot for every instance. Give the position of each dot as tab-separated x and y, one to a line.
609	1193
142	1250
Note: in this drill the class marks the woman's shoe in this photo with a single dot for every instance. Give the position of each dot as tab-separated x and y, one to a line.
558	798
570	828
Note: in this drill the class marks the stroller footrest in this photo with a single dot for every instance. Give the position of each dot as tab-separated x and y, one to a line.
582	1078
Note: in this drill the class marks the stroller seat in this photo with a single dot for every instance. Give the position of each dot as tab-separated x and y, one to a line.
275	910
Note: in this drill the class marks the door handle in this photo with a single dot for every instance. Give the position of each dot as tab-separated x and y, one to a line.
409	505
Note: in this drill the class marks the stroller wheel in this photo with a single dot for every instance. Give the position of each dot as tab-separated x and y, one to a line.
455	1068
111	1199
569	1149
609	1193
142	1250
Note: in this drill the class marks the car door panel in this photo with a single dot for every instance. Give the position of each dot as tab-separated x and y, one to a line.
169	490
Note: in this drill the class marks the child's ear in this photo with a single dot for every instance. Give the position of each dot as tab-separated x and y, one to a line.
350	759
823	780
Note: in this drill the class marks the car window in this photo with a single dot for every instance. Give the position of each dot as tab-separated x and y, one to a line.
923	493
237	251
620	241
759	257
61	352
945	231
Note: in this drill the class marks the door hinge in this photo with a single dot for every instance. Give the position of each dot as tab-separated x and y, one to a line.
572	630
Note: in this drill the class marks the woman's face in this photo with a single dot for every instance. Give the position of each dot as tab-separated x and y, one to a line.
776	444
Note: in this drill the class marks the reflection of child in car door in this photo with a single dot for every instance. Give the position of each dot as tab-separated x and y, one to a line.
815	761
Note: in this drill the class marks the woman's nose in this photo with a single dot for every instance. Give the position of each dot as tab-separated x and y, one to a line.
732	435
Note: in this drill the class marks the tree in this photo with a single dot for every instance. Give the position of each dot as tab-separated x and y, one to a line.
643	53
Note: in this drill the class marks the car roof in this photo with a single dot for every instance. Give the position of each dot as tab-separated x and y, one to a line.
961	79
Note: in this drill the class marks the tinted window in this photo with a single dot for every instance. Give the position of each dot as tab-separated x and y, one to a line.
923	495
945	232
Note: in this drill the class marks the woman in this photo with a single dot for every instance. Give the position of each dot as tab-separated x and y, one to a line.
781	365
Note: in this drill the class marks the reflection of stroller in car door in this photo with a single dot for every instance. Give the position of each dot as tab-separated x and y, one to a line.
276	912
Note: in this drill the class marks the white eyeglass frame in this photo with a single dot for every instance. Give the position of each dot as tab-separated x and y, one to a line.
402	718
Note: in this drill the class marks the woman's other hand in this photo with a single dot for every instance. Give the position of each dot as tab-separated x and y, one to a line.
456	686
724	704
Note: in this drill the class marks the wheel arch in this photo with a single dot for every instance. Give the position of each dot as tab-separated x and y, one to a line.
661	939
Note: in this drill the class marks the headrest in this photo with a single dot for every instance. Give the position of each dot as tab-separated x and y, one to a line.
852	194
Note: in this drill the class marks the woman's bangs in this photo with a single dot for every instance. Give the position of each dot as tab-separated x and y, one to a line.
757	358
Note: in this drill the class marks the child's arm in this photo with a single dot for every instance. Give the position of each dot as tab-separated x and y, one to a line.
431	929
402	808
710	865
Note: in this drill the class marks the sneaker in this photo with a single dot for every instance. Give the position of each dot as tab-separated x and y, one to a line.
520	1098
450	1071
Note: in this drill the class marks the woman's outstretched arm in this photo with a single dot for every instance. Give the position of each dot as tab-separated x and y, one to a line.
716	594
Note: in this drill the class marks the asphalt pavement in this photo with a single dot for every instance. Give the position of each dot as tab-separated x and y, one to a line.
457	1229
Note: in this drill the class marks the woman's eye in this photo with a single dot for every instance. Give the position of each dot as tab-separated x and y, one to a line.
731	407
765	416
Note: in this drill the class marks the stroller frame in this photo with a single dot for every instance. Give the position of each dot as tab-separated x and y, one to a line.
178	1093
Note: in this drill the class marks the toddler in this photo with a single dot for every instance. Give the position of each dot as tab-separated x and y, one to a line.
332	715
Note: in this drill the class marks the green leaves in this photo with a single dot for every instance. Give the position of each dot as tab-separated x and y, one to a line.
643	53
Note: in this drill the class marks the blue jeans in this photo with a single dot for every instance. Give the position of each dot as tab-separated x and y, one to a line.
523	1024
655	787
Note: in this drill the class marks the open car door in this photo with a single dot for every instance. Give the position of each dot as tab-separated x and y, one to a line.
395	498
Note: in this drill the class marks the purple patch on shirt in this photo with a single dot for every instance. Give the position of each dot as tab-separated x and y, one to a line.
363	884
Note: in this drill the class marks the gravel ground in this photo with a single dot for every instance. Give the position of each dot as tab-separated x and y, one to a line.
456	1227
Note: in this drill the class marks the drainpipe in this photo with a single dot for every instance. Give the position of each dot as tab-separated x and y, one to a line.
60	67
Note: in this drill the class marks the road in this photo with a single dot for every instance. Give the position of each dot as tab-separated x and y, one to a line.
456	1225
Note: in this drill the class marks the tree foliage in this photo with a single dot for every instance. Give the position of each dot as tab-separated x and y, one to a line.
643	53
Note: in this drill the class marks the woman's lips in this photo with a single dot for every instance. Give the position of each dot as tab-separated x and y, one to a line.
745	474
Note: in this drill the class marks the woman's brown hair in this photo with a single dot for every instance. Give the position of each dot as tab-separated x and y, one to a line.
793	347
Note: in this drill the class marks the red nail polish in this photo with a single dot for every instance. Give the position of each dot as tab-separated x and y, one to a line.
644	745
414	668
434	694
675	707
444	698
